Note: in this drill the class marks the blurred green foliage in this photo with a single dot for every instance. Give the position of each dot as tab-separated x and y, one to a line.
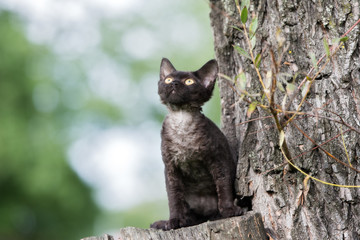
40	196
140	216
48	100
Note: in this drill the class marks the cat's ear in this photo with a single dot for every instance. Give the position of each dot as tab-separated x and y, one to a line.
166	68
208	73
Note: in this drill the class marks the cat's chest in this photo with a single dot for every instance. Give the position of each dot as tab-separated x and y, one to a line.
186	144
181	124
183	136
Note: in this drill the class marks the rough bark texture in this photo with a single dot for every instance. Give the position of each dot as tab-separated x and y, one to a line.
245	227
326	212
104	237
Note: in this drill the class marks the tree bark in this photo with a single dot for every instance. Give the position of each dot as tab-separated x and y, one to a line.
245	227
103	237
291	208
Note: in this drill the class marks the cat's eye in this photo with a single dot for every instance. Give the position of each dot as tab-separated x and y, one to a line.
189	81
168	80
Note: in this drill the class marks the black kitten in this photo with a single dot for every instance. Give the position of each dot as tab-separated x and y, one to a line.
199	165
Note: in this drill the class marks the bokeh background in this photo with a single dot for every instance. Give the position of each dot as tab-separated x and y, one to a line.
80	117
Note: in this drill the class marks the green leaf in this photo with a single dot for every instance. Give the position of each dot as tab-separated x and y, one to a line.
253	42
251	109
242	80
295	76
344	39
305	88
257	60
237	28
280	86
226	77
244	15
253	26
336	41
290	88
326	46
242	52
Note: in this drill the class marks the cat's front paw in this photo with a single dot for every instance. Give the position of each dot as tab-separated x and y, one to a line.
159	225
167	225
233	211
240	211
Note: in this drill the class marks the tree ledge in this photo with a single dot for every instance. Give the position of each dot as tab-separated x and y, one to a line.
249	226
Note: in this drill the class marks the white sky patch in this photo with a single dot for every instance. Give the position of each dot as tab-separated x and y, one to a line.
70	9
113	8
110	81
46	17
188	32
76	41
140	43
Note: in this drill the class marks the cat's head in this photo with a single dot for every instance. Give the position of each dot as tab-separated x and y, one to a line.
179	89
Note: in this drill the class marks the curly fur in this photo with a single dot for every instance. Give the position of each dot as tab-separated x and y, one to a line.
199	164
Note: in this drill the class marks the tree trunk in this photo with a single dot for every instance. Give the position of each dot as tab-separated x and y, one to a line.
291	208
245	227
103	237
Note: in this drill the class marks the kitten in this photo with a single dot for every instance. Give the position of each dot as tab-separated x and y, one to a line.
199	165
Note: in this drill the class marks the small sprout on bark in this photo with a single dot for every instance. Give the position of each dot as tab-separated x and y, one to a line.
305	88
280	86
253	42
326	46
257	60
290	88
242	80
251	109
237	28
253	27
226	77
242	52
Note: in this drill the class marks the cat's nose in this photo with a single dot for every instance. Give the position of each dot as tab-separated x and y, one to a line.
175	83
